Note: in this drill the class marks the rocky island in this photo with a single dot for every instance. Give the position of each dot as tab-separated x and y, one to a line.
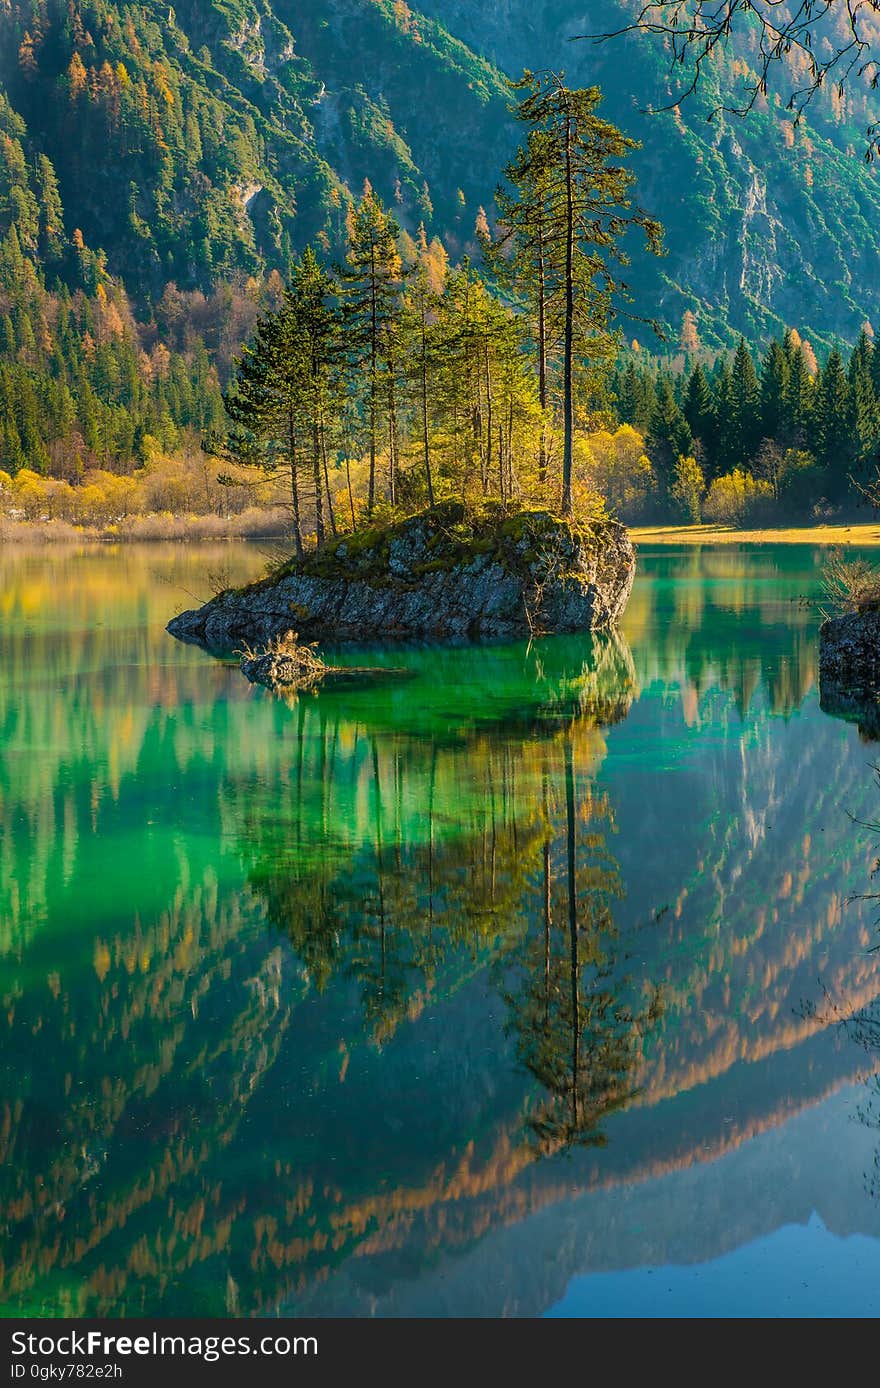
444	574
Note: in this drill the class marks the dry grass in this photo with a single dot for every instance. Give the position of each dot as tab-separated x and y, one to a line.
256	522
864	535
850	585
302	666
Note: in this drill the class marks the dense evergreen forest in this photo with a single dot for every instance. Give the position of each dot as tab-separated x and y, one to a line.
426	382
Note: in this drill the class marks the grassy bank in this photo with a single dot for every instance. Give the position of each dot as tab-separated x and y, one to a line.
255	523
867	534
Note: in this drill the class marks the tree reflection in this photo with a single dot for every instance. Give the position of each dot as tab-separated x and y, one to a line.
433	864
574	1033
408	900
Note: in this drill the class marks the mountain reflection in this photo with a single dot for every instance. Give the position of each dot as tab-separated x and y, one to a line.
292	996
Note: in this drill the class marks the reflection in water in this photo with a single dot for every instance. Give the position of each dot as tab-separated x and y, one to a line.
573	1032
293	998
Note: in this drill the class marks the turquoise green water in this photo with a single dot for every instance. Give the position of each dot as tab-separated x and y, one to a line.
486	992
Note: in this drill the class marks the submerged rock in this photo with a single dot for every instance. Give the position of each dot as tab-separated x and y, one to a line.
285	666
439	575
849	669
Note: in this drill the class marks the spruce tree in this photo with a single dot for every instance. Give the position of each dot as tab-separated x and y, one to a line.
697	409
799	394
834	425
745	421
282	387
522	253
669	437
775	375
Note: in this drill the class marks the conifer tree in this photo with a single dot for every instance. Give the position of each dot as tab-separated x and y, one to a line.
697	409
833	425
282	386
372	281
775	377
670	437
522	254
419	325
745	401
799	392
575	172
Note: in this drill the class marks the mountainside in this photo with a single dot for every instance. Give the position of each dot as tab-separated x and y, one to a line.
196	143
767	224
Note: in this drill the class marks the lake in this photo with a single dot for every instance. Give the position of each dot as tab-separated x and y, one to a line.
540	983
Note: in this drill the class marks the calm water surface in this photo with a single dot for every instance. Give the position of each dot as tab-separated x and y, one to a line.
530	985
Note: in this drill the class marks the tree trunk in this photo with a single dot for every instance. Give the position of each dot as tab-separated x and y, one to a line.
392	433
350	492
568	363
330	516
294	487
371	495
542	358
424	374
319	485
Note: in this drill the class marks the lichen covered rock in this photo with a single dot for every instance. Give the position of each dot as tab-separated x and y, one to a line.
440	575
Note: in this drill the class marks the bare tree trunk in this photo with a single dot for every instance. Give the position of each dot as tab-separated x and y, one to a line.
424	374
568	363
319	485
371	495
392	434
330	516
350	493
489	419
294	487
542	358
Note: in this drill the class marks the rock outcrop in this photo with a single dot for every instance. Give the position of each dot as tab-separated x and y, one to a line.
849	669
440	575
286	667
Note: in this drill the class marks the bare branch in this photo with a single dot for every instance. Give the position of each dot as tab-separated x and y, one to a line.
836	40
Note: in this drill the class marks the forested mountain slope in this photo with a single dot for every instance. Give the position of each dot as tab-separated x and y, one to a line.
198	143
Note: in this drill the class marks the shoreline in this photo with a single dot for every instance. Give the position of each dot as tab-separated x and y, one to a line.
147	530
166	529
865	534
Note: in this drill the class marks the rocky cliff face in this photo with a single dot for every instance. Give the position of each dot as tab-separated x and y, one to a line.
437	576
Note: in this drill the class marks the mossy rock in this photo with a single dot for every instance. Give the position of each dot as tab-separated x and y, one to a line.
444	573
